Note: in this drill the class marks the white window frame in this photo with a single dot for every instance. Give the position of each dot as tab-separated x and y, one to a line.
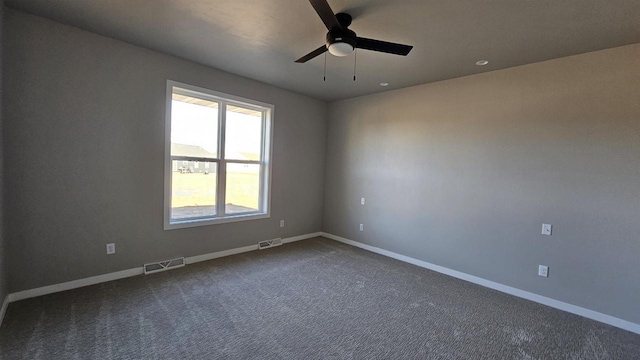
267	138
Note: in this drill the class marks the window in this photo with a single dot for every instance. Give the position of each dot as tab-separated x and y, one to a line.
231	137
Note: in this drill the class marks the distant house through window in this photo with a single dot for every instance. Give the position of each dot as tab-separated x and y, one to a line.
231	137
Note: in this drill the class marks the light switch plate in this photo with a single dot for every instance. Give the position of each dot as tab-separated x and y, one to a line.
361	227
546	229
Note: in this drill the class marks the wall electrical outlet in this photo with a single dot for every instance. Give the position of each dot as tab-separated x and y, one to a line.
111	248
361	201
546	229
543	270
281	223
361	227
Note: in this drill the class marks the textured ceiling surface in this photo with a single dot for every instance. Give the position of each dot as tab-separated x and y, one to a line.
260	39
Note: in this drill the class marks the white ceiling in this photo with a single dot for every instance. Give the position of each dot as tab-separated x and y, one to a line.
260	39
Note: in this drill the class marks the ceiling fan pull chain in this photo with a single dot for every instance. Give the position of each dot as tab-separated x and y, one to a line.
355	60
324	75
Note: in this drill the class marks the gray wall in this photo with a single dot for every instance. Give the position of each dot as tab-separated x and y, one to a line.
3	247
84	123
462	173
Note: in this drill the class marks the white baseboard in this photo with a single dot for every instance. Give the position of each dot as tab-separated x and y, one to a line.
74	284
219	254
3	310
301	237
50	289
574	309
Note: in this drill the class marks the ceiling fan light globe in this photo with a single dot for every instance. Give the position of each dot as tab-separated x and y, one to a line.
340	49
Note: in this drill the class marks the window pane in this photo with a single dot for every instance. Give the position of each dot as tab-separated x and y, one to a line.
243	133
194	126
243	188
193	189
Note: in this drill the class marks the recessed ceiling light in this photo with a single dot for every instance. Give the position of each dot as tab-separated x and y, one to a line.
384	84
482	62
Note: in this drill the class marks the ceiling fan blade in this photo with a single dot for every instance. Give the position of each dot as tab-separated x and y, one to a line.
326	14
383	46
312	54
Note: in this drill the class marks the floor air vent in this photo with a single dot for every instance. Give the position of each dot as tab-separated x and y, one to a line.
163	265
269	243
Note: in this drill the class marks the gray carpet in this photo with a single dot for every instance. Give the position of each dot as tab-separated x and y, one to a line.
314	299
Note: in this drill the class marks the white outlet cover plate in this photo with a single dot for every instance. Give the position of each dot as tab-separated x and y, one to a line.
361	227
546	229
281	223
543	270
362	201
111	248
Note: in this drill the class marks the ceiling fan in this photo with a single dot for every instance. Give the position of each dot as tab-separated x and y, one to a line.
341	41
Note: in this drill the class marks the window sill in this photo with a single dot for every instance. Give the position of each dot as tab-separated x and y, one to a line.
181	224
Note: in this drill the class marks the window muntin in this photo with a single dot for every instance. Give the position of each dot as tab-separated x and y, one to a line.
232	138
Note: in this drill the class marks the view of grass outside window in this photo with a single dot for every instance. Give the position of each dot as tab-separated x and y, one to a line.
217	157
